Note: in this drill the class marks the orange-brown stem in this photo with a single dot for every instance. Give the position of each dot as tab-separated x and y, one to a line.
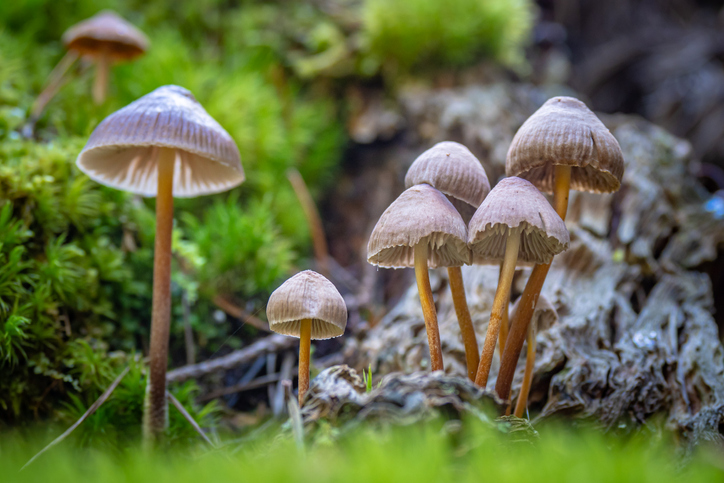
522	403
526	306
305	342
155	411
455	274
504	323
502	295
100	84
428	307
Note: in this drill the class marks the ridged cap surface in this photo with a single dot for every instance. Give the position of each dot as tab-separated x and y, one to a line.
564	131
307	295
122	151
451	168
516	208
544	315
106	31
421	214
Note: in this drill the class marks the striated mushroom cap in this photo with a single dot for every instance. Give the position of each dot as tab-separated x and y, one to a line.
106	32
544	315
122	151
516	208
564	131
421	214
307	295
451	168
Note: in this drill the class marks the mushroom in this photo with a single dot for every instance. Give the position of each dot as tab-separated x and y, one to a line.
164	145
562	146
106	38
307	306
515	222
452	169
544	316
421	229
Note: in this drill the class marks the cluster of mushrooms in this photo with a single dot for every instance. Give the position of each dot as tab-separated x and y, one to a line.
166	145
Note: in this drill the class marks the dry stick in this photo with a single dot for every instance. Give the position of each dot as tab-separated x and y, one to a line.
262	381
455	274
55	81
504	323
239	313
528	376
529	299
305	339
155	408
502	295
188	418
94	407
428	306
321	252
100	84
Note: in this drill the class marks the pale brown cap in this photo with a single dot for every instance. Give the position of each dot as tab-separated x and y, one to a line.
564	131
451	168
307	295
544	315
106	32
516	208
122	151
421	214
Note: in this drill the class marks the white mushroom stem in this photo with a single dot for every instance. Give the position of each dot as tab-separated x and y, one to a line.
465	322
522	403
100	84
155	410
500	305
529	298
428	306
305	342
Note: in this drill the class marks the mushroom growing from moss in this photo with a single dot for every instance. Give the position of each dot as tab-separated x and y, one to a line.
421	229
452	169
164	145
562	146
106	38
515	222
307	306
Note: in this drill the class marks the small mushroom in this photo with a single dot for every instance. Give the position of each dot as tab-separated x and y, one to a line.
562	146
452	169
544	316
164	145
515	222
106	38
421	229
307	306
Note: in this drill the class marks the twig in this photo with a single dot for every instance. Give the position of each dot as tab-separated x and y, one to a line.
239	313
321	252
94	407
273	343
188	418
262	381
285	375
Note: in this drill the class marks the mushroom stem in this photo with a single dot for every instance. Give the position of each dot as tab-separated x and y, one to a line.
428	306
502	295
505	322
55	81
455	274
526	306
155	410
305	342
528	376
100	84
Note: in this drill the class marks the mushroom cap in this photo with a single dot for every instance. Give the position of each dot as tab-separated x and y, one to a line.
123	150
516	208
421	214
564	131
107	32
451	168
544	314
307	295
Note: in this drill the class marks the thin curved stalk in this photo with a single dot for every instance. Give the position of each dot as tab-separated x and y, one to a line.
522	402
457	288
504	323
100	84
156	407
502	295
529	299
305	342
428	307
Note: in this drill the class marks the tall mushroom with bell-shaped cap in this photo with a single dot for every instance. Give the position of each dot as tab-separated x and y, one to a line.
106	38
421	229
307	306
515	222
452	169
164	145
562	146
